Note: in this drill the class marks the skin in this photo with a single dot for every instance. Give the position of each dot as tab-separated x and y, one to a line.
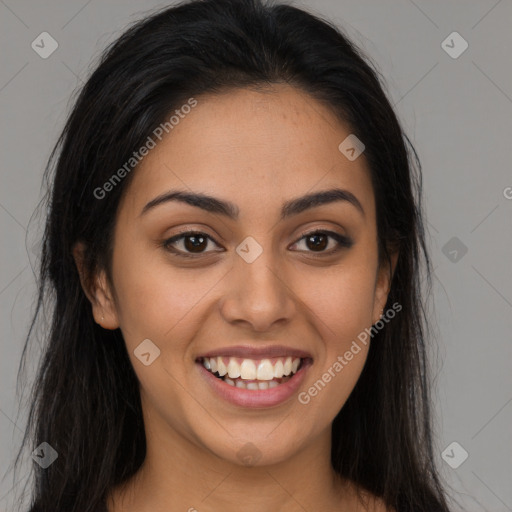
257	150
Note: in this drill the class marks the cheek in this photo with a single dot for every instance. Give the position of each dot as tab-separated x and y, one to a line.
341	305
157	301
341	300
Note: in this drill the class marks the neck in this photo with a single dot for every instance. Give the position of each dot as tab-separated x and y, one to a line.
181	475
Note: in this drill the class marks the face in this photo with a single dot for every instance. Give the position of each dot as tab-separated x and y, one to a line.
272	290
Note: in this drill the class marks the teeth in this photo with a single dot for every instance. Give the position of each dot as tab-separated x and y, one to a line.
221	367
265	371
278	369
288	366
253	385
248	370
233	369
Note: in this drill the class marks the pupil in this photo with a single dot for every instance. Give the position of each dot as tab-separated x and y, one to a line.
318	245
197	244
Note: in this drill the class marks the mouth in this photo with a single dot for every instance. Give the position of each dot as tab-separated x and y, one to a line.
253	374
254	378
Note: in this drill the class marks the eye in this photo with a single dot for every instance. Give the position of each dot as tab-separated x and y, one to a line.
318	241
192	244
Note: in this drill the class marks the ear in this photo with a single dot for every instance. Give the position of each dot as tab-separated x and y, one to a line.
97	290
383	284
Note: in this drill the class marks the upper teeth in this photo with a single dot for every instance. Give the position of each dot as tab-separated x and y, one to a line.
249	369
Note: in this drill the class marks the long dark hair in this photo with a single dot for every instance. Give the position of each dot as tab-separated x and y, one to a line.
85	402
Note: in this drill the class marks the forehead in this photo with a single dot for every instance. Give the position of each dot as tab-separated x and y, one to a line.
254	148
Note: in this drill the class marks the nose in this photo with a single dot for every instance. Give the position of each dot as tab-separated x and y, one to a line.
258	294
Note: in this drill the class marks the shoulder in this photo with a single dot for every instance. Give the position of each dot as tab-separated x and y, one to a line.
378	505
359	499
372	503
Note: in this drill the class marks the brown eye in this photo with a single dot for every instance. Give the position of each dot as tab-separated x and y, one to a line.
189	244
318	241
195	243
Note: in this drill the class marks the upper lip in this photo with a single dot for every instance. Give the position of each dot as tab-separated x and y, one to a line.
259	352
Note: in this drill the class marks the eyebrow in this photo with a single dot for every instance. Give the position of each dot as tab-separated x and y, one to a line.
231	211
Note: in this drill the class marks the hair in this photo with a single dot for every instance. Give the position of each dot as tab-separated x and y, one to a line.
85	401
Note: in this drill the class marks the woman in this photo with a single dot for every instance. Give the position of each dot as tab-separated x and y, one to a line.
233	245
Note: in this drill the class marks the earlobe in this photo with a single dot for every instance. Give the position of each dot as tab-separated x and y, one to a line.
383	286
103	307
97	291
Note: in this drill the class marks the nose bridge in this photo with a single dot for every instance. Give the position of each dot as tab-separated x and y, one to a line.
258	293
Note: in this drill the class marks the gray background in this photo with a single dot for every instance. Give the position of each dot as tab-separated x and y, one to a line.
458	114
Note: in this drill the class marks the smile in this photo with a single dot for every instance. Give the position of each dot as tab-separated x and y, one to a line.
253	374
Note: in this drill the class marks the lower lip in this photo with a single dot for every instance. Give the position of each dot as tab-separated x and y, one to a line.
257	397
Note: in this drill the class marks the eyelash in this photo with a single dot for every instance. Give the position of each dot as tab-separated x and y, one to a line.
343	242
